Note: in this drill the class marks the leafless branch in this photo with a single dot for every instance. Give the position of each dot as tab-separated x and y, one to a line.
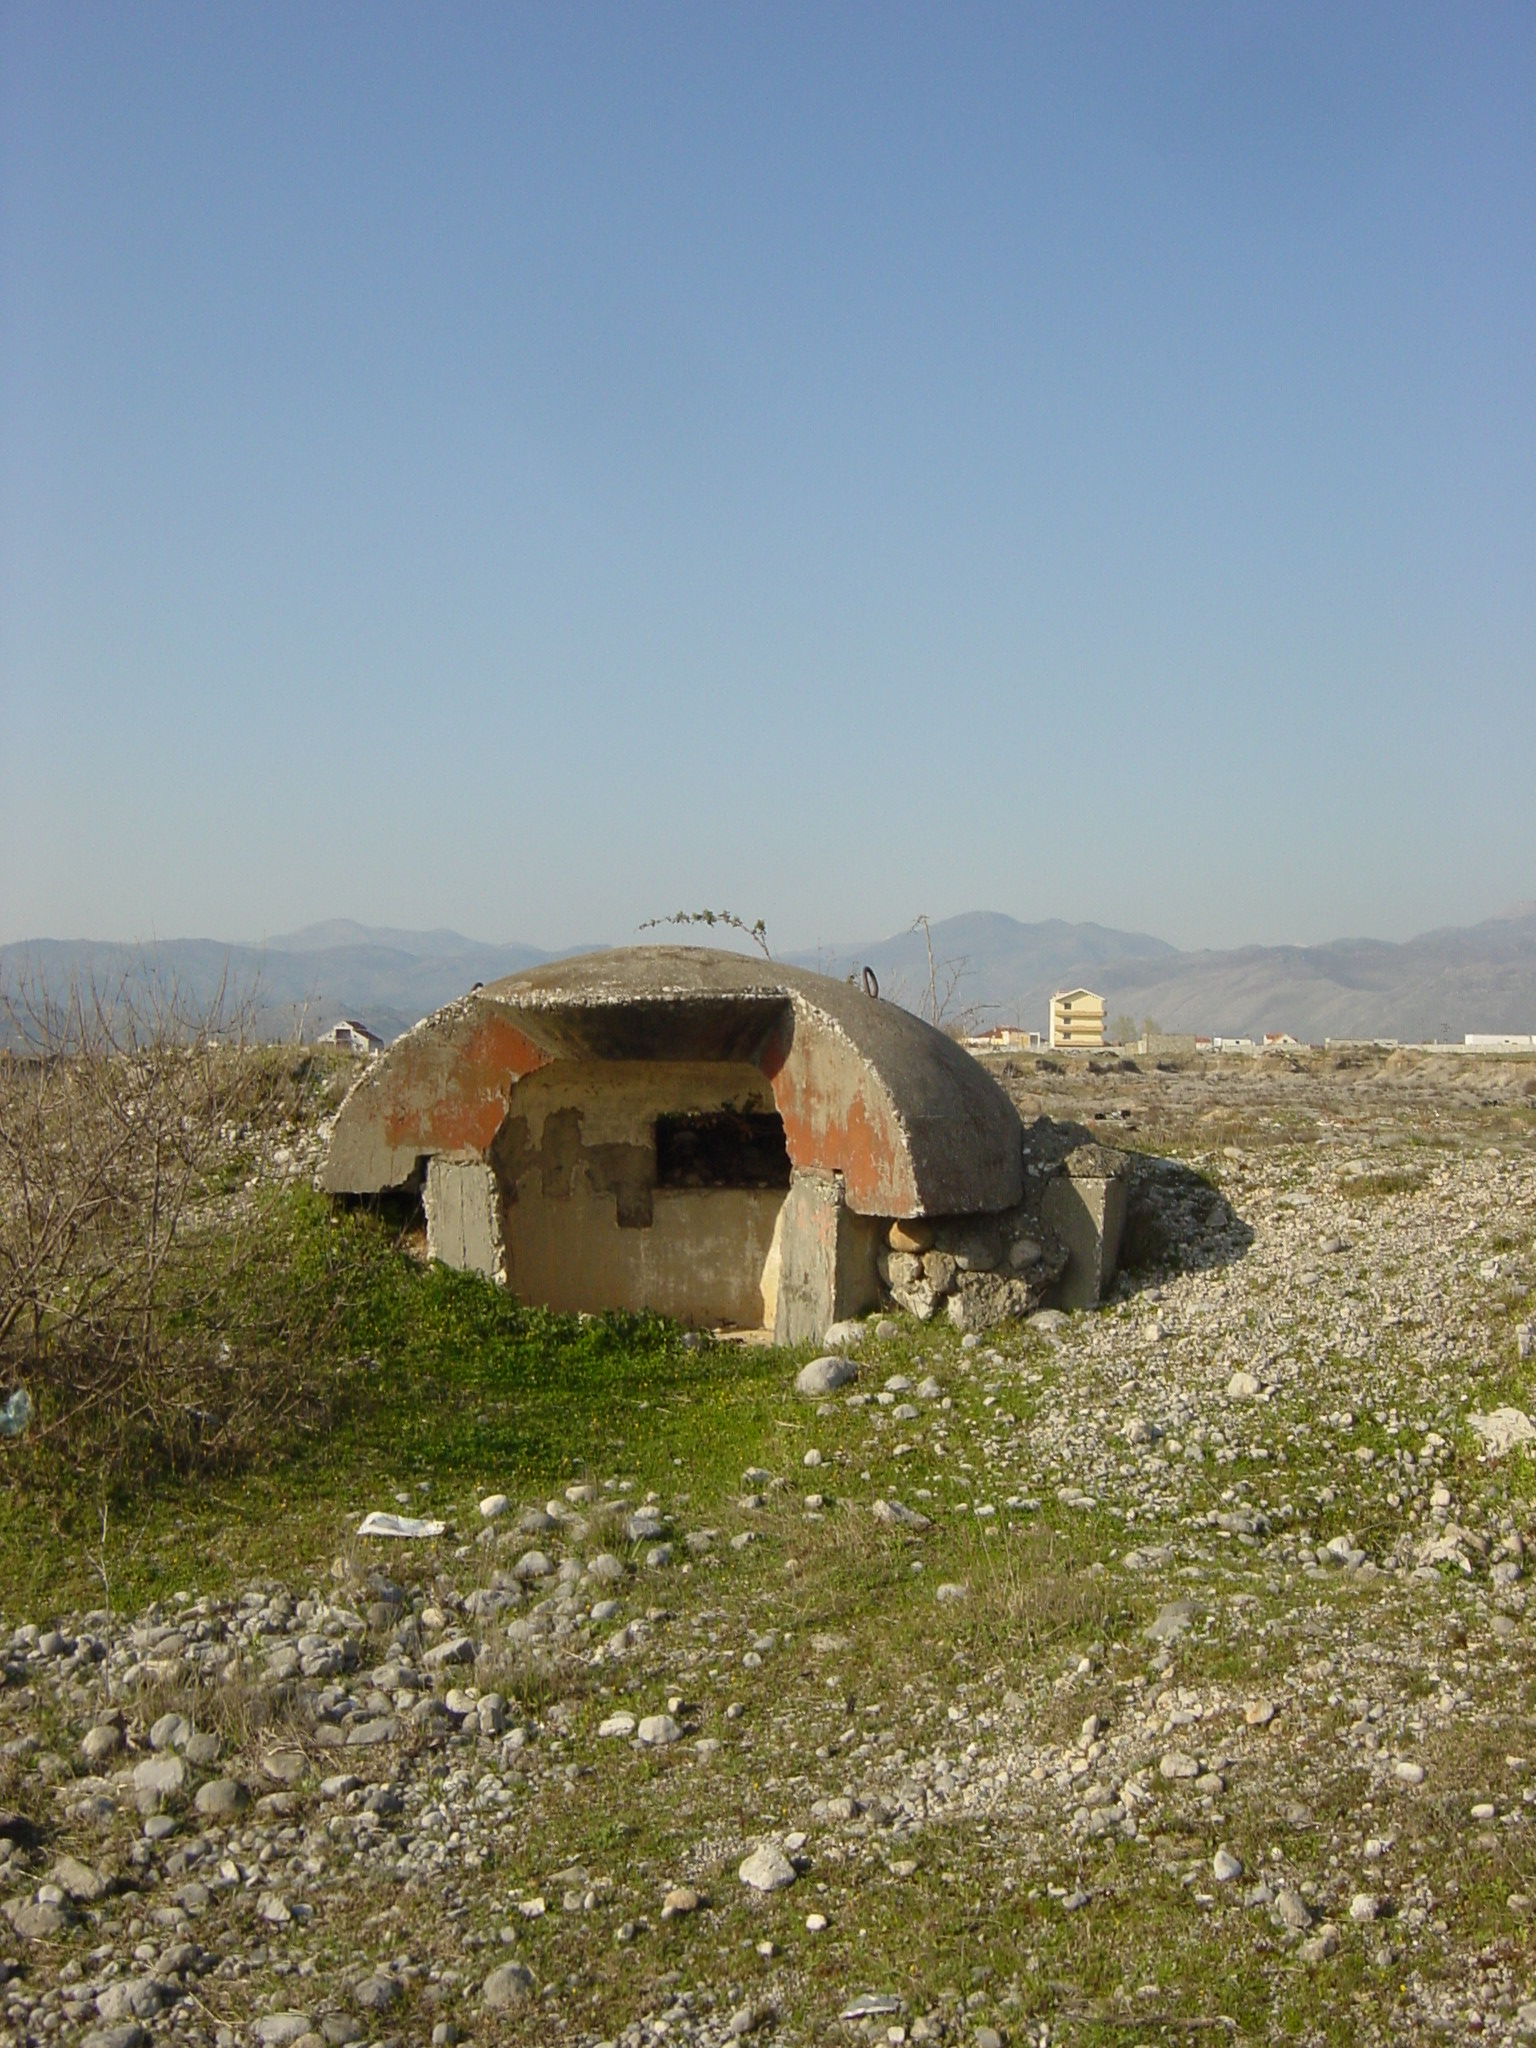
757	932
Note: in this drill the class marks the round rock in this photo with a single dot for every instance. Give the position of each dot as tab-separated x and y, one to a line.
170	1732
221	1799
767	1869
161	1777
1292	1909
1172	1621
131	1998
825	1376
507	1985
281	2029
1323	1944
127	2034
101	1743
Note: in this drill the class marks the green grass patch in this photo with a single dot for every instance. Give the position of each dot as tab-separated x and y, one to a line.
430	1383
1382	1187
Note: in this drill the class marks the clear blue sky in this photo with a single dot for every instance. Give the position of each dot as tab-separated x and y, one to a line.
531	469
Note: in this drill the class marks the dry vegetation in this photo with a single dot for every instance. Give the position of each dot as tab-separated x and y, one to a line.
134	1301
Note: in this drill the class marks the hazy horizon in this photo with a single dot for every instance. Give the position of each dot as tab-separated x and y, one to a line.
528	471
665	933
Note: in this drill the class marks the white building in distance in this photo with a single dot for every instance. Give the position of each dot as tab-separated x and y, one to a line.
351	1036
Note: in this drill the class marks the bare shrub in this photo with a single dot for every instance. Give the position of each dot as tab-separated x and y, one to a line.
131	1297
757	931
937	1000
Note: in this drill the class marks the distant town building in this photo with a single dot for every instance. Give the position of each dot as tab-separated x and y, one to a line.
1281	1041
1077	1020
1004	1038
1501	1041
351	1036
1170	1044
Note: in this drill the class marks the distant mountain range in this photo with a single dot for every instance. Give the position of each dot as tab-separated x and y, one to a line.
1440	985
300	982
986	966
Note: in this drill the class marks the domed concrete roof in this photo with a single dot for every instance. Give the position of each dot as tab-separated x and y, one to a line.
911	1121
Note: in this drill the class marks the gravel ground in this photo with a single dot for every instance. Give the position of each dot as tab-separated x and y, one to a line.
1168	1666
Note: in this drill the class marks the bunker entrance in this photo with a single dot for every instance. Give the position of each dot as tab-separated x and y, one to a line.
721	1148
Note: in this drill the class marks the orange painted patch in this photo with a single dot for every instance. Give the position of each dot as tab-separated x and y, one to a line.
453	1098
850	1142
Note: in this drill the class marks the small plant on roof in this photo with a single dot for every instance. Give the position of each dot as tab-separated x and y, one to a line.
757	933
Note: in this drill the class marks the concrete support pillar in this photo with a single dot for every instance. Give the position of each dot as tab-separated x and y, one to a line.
463	1205
1085	1206
826	1260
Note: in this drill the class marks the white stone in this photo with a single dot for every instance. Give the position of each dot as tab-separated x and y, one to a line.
1178	1764
1503	1430
411	1527
767	1869
162	1776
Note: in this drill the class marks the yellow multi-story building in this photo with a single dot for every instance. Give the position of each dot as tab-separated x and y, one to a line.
1077	1020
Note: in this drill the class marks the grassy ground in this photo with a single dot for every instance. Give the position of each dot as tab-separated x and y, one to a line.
440	1390
438	1387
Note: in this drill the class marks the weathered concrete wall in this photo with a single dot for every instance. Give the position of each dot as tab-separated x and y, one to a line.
912	1123
463	1205
1086	1210
584	1222
444	1087
701	1258
865	1089
825	1260
555	1079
